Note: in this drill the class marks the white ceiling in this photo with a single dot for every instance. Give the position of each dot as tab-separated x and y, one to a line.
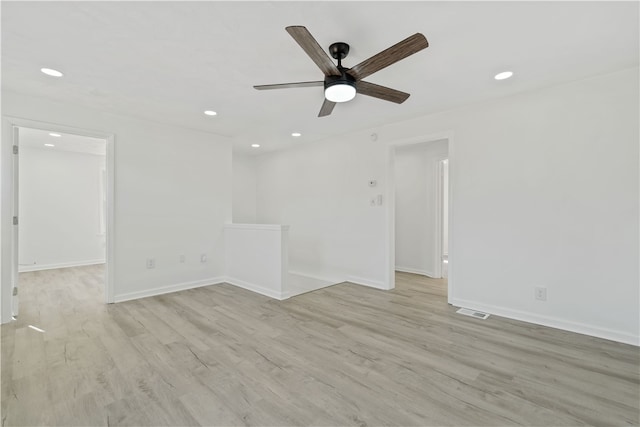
36	138
169	61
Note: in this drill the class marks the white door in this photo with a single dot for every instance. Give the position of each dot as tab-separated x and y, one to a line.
16	220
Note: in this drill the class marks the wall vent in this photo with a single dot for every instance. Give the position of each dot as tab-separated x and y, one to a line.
473	313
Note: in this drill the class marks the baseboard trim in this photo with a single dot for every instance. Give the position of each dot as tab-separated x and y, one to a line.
38	267
257	288
549	321
416	271
169	289
367	282
313	276
293	285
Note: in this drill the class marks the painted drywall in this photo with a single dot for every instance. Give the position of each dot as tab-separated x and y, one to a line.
416	216
244	189
60	204
544	192
172	197
257	258
322	192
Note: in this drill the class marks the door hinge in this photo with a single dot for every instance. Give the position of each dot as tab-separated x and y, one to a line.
15	149
15	292
15	220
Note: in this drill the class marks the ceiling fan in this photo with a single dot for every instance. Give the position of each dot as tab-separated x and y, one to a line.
341	84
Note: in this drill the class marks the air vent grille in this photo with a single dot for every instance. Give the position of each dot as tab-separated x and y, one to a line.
473	313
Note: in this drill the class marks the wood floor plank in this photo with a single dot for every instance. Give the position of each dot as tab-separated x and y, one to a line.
343	355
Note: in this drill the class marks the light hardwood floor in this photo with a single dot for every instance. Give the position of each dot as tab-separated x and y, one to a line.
344	355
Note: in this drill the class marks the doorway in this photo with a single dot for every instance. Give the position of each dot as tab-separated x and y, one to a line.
62	205
420	210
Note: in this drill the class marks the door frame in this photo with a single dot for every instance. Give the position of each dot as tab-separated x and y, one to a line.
14	229
440	214
10	192
391	206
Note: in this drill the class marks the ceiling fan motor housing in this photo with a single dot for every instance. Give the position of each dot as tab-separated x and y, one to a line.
340	88
344	79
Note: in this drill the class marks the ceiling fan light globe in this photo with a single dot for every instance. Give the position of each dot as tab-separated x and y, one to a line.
340	92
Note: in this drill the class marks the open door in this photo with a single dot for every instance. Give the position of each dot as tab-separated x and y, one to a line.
16	220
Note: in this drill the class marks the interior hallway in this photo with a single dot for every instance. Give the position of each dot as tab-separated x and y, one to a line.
343	355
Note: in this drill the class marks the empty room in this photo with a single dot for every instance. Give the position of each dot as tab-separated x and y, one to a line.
320	213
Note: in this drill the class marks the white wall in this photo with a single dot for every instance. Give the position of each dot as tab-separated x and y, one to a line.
60	194
322	192
244	189
416	216
257	258
172	197
544	192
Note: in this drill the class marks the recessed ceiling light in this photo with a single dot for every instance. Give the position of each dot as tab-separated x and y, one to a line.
55	135
210	113
504	75
49	145
255	145
296	134
51	72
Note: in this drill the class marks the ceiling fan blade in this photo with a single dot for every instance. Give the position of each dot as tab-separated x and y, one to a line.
389	56
381	92
327	108
289	85
312	48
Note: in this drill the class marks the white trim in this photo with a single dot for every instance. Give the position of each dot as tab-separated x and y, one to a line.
275	227
169	289
416	271
6	212
257	288
437	254
55	127
438	167
110	159
38	267
15	229
313	276
367	282
321	283
451	165
552	322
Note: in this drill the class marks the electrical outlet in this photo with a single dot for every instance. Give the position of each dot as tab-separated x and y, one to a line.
203	258
151	263
541	293
182	259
